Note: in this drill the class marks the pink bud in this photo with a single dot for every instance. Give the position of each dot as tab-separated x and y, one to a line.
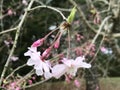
13	84
103	49
67	79
57	44
17	88
37	43
77	83
46	52
10	12
33	77
30	82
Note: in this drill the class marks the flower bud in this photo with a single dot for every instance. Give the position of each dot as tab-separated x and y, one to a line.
10	12
37	43
77	83
30	82
46	52
57	44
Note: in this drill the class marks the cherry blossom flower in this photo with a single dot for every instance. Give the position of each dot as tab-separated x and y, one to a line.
69	66
41	67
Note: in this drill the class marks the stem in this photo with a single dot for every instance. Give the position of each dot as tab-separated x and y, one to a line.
15	71
1	9
49	7
9	30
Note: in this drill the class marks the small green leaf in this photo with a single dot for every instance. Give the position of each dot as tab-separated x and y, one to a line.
72	15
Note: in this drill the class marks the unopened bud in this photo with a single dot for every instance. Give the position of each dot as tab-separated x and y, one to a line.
57	44
46	53
10	12
38	43
77	83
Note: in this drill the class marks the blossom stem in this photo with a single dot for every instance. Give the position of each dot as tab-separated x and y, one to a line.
68	50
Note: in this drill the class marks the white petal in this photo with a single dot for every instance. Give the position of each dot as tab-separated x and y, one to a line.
28	53
47	75
38	65
79	62
45	67
59	70
67	62
33	49
39	72
80	59
30	62
83	64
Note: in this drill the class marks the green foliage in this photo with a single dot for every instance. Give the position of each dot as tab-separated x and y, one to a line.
72	15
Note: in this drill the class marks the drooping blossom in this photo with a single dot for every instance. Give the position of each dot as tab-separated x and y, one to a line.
41	67
69	66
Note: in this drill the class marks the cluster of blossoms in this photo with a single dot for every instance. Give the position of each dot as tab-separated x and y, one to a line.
47	68
44	67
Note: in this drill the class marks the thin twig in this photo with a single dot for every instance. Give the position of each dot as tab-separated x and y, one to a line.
15	71
49	7
9	30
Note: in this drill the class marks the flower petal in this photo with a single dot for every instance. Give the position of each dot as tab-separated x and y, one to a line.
45	67
30	62
47	75
68	62
59	70
39	72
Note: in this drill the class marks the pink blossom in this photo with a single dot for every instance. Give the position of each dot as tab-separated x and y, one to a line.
33	77
37	43
30	82
13	84
17	88
77	83
69	66
10	12
41	67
